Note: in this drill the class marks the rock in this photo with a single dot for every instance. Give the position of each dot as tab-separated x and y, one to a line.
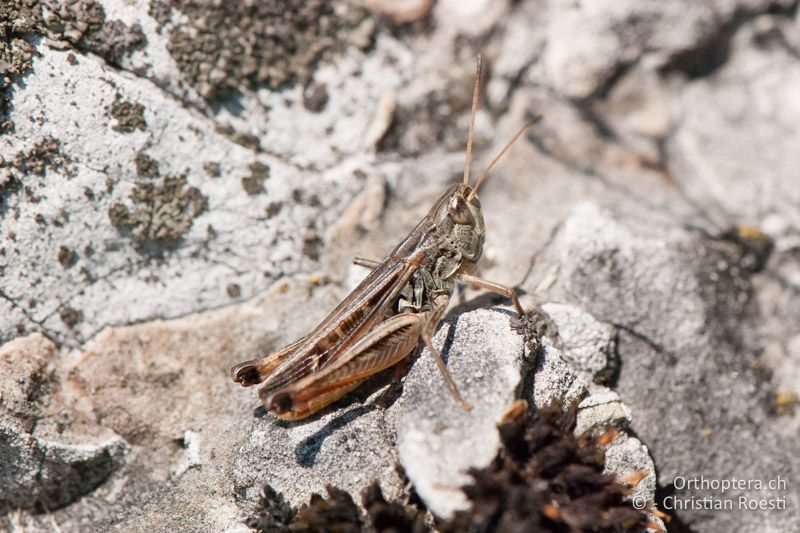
586	343
746	173
144	422
689	373
151	384
555	380
47	462
589	45
94	178
347	448
579	63
602	411
627	457
437	439
191	440
147	184
26	368
434	439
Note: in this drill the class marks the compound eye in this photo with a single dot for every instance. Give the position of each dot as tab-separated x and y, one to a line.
459	211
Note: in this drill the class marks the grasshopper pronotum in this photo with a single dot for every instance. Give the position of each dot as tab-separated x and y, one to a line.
381	322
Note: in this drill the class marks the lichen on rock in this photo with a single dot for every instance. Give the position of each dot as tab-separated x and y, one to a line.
26	170
19	27
129	116
83	24
162	213
221	45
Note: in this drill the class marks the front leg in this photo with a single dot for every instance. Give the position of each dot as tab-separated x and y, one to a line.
432	320
497	288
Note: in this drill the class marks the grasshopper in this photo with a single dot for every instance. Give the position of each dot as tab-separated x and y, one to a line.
401	301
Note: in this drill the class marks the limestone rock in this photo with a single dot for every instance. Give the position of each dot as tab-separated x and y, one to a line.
437	439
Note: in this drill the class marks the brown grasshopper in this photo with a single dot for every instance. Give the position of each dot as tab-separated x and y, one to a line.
381	322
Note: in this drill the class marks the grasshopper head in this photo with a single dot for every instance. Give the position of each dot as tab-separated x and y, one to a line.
458	219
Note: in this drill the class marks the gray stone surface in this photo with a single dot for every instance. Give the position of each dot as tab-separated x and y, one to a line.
178	194
685	317
555	380
438	440
602	411
586	343
425	431
47	460
627	457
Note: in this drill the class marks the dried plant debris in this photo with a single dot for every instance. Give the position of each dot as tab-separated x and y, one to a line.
783	403
273	514
401	12
755	246
162	213
546	479
338	512
274	43
391	517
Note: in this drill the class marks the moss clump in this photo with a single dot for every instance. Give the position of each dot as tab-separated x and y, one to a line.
338	512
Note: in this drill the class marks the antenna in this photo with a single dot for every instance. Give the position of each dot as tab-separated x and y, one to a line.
498	156
475	97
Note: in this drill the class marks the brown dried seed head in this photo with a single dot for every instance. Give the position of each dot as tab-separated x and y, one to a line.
607	438
634	478
551	512
514	411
